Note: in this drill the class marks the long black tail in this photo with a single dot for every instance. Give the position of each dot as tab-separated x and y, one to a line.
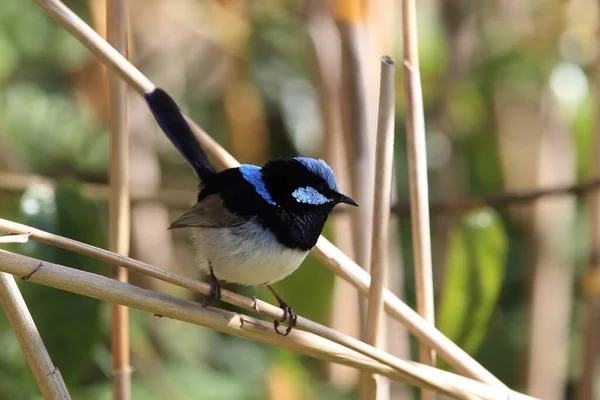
171	121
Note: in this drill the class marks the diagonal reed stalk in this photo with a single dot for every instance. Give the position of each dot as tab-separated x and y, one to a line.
163	305
47	376
118	204
332	257
417	174
262	308
381	214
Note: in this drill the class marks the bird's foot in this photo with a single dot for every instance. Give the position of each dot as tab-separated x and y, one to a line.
215	289
289	316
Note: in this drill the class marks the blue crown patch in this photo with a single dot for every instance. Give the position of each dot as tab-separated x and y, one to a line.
321	169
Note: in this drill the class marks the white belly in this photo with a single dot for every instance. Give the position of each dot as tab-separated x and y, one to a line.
248	254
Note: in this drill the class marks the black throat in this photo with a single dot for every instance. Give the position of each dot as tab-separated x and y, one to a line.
296	228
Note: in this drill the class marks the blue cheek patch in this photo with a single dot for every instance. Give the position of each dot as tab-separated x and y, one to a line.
253	175
309	195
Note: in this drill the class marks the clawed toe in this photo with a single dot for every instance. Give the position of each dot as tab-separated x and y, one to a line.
215	289
289	316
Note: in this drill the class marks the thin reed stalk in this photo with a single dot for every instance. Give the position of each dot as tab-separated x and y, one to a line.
11	238
585	386
177	198
258	306
332	257
46	375
326	69
344	267
180	198
417	174
163	305
384	158
118	204
350	16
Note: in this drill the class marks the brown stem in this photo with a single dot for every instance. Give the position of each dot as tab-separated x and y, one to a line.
119	208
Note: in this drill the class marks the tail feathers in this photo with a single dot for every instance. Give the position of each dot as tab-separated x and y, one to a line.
171	121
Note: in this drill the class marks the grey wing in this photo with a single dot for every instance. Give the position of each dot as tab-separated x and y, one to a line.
208	213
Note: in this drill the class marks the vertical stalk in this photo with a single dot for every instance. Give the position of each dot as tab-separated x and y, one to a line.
384	159
47	376
585	389
326	68
417	169
119	208
350	17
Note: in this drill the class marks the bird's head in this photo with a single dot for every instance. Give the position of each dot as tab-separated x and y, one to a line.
300	184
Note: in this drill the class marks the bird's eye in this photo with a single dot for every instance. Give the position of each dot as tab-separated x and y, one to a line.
310	195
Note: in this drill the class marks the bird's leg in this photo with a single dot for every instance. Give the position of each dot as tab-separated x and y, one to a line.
215	287
289	314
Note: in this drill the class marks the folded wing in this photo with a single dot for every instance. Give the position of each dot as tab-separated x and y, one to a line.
208	213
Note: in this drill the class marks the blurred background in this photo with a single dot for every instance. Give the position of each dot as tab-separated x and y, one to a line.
509	103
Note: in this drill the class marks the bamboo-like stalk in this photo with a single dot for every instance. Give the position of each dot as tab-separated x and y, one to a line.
515	197
12	238
333	258
344	267
417	174
177	198
118	204
384	158
585	386
180	198
262	308
163	305
349	16
326	69
94	42
47	376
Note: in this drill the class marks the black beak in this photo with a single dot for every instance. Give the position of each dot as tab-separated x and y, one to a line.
345	199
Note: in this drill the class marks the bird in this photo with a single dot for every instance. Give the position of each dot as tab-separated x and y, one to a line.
251	225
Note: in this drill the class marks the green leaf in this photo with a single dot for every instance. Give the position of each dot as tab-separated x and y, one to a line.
474	276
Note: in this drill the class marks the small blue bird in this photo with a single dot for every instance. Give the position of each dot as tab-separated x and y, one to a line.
251	225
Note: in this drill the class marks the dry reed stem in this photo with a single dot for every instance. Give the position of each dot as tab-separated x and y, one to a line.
344	267
516	197
180	198
118	204
262	308
12	238
333	258
417	175
384	158
163	305
350	16
47	376
326	70
171	197
591	290
94	42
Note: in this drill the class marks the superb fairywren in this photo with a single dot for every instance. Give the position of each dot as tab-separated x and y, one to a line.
251	225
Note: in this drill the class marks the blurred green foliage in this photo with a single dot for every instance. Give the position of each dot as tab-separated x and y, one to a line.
46	128
474	278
